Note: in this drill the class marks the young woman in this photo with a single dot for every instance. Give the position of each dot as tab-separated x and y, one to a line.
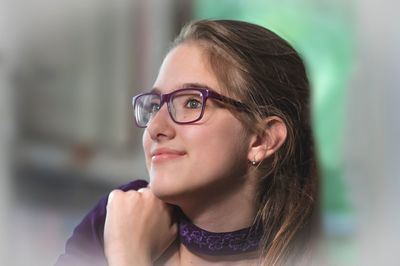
230	154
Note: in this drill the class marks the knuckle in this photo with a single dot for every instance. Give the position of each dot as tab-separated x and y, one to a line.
145	192
132	194
142	190
114	194
174	229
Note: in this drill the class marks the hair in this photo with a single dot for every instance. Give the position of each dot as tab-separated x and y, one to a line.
261	69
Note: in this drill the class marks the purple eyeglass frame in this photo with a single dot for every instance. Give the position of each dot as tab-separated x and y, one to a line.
206	93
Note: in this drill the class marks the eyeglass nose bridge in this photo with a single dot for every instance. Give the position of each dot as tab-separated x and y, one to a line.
166	98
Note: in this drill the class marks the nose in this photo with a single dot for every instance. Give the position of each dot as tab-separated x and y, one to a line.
161	126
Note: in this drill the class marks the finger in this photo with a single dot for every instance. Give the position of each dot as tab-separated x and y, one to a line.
111	196
143	189
174	229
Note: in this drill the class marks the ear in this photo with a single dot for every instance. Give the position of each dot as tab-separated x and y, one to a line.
266	143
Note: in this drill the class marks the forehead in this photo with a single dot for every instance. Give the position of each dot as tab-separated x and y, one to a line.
185	64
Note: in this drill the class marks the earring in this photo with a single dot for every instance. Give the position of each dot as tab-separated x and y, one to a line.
253	163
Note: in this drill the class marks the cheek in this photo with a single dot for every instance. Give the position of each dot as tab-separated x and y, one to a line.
219	148
146	142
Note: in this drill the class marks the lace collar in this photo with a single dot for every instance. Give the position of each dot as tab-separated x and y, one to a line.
218	244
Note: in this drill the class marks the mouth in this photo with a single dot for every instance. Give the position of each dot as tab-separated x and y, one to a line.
161	155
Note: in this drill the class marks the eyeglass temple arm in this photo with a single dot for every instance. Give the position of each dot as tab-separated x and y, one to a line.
241	106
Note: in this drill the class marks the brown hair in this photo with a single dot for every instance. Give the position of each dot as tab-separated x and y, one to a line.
261	69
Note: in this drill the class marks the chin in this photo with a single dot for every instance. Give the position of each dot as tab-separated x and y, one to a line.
166	190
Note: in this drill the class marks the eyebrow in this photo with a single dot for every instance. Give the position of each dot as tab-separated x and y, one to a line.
195	85
186	85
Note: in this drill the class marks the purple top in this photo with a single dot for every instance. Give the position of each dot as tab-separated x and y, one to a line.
86	245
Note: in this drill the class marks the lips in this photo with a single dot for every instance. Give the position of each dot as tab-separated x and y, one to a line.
163	154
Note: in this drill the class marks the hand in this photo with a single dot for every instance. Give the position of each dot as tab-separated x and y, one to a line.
139	227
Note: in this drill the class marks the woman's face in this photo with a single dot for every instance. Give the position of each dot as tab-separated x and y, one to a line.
208	156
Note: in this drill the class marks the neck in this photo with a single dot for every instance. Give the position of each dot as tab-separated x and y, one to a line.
216	212
222	212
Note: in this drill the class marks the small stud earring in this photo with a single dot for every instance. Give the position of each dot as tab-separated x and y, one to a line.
253	162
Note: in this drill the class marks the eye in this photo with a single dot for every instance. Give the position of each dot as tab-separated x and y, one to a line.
154	107
193	104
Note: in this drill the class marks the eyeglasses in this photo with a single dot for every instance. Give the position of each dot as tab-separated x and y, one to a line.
185	106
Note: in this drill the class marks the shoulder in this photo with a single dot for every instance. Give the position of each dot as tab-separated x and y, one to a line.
96	216
87	240
134	185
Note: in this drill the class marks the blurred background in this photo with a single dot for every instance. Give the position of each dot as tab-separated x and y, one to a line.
69	68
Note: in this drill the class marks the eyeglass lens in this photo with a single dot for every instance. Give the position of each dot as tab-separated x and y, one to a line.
184	106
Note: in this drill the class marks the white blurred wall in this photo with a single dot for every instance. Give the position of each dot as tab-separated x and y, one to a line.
6	130
372	152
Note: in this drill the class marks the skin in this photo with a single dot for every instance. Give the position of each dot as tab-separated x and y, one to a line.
204	168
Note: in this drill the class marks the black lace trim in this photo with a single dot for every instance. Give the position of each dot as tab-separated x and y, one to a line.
218	244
